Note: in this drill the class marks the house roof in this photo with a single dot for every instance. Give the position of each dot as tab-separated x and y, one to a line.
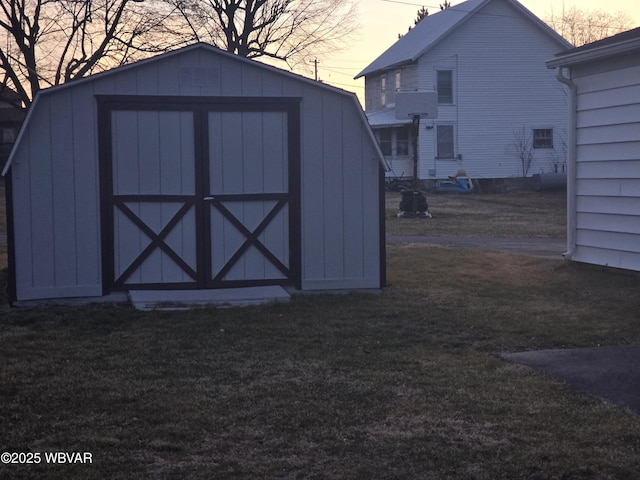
622	43
386	118
434	28
196	46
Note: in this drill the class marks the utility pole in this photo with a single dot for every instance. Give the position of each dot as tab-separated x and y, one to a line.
315	63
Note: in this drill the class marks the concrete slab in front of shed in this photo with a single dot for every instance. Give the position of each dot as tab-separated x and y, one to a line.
224	297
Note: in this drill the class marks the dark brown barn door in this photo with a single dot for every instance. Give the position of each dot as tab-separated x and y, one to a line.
200	195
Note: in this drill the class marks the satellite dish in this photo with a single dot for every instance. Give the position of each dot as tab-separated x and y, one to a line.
416	104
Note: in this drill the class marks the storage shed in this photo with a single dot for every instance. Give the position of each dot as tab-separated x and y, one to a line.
603	183
195	169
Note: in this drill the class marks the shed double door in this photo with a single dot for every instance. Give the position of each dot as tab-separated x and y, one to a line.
200	194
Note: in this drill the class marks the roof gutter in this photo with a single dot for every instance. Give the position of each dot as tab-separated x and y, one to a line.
582	54
571	165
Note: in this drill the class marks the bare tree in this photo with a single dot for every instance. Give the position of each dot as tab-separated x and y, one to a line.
581	26
423	13
289	30
48	42
522	148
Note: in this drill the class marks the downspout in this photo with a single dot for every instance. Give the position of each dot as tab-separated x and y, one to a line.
571	165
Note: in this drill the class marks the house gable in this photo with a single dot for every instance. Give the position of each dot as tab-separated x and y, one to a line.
433	29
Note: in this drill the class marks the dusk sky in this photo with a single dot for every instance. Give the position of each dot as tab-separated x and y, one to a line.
382	20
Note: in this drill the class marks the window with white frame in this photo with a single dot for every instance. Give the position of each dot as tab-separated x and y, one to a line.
445	141
444	86
383	90
543	138
398	81
394	141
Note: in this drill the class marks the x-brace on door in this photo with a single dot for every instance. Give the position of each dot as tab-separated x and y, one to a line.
199	193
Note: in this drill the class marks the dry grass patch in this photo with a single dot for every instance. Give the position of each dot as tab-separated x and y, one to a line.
399	385
522	214
405	384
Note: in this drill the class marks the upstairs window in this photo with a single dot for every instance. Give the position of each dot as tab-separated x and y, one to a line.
542	138
445	86
383	90
398	81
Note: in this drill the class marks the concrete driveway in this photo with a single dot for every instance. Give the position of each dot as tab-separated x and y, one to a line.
610	373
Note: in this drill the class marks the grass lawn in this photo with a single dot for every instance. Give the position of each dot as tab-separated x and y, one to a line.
404	384
521	214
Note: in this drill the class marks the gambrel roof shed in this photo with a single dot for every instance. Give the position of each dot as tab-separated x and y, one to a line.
603	181
195	169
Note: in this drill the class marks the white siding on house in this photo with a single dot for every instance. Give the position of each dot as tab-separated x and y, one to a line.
608	166
501	84
497	54
56	184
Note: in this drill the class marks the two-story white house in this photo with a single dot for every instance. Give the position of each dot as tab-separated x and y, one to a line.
486	61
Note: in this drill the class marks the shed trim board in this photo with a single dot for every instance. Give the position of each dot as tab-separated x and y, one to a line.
202	201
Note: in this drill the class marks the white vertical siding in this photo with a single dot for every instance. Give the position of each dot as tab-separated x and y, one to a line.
608	166
55	171
56	218
340	223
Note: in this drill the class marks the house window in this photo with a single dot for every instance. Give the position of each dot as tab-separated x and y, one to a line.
383	90
445	141
445	86
398	81
385	141
542	138
402	141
